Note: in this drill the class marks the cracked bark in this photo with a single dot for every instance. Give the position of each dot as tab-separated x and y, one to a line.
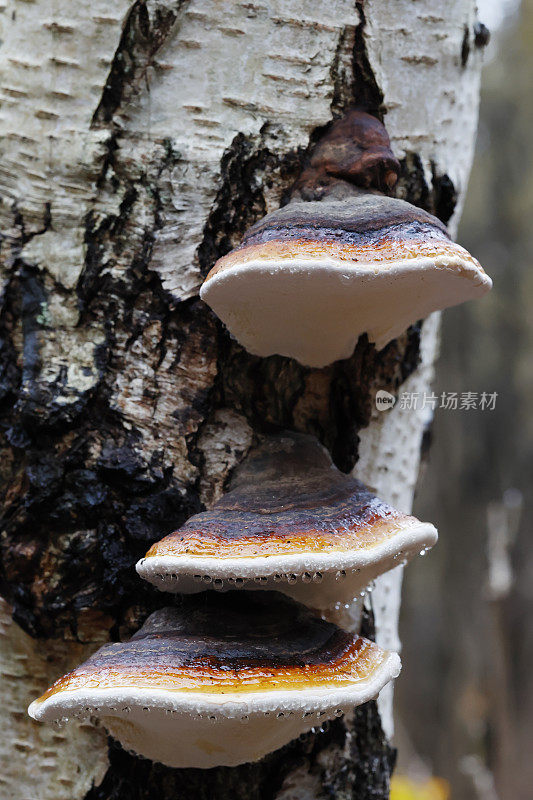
153	136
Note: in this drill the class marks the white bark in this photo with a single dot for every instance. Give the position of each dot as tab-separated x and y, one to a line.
39	761
432	100
259	69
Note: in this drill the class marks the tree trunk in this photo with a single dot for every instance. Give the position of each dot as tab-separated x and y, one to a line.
139	142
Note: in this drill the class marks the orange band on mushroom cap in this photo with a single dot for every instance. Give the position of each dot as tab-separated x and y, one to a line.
287	498
290	519
387	252
229	644
356	663
274	542
179	690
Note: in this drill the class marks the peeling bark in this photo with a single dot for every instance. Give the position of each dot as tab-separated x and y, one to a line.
138	143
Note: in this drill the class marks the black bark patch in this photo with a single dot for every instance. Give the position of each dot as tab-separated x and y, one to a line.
33	303
146	29
342	83
247	169
372	758
40	404
412	185
465	47
10	373
444	196
481	35
367	93
440	199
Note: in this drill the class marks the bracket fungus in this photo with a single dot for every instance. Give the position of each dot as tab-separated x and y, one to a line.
341	259
221	682
291	521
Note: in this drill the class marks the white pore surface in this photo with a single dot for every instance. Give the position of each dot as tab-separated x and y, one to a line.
315	310
318	580
206	730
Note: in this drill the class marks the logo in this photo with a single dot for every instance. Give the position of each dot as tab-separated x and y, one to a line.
384	400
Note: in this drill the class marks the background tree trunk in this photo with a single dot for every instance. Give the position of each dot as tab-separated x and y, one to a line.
139	142
473	721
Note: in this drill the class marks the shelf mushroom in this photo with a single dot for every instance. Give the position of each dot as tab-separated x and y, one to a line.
341	259
221	682
291	521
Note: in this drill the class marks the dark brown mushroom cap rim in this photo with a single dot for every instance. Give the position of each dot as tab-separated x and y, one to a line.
286	498
377	216
228	644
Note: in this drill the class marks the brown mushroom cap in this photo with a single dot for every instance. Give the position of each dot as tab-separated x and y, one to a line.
291	521
355	149
308	279
221	682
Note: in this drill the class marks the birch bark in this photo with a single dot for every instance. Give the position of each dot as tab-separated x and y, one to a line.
138	142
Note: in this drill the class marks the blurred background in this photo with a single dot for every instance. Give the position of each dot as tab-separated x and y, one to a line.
465	699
